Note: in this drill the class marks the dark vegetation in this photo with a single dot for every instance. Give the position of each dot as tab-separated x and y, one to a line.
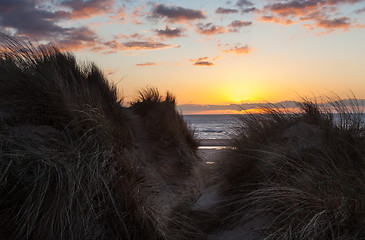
296	176
78	163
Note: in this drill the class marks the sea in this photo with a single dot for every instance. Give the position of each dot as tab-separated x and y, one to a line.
222	126
212	126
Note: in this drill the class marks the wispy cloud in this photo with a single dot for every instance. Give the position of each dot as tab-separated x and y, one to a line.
221	10
290	106
361	10
238	50
176	13
203	61
119	15
146	64
231	108
210	29
244	3
116	46
275	19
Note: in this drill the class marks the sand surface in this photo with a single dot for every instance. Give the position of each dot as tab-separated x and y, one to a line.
211	150
214	142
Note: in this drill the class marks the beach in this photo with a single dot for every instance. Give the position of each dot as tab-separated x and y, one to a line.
210	150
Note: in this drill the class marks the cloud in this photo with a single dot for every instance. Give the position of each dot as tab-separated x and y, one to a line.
294	8
343	22
244	3
238	50
248	10
108	71
319	14
145	64
361	10
176	13
238	24
221	10
116	46
210	29
34	20
135	45
120	15
170	32
77	38
305	7
87	9
232	108
27	19
245	6
131	36
276	20
202	62
137	13
291	106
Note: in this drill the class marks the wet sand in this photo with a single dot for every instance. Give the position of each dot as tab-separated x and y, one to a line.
211	150
214	142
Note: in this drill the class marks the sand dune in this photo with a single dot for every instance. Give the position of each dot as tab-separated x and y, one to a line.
78	163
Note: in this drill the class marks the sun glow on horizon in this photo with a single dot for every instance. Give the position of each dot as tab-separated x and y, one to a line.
222	53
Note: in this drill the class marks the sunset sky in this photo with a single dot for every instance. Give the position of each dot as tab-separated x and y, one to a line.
207	52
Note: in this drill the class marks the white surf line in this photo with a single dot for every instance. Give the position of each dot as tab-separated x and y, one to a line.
216	147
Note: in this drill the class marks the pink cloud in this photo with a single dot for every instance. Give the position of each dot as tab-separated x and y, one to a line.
316	14
87	9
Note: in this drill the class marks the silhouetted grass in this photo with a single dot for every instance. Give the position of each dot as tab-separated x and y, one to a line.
75	163
302	174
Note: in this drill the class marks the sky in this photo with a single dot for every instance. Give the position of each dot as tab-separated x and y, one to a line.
210	54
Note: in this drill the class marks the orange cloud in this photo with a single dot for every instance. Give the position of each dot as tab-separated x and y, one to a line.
276	20
319	13
87	9
203	61
343	22
145	64
238	50
210	29
120	15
